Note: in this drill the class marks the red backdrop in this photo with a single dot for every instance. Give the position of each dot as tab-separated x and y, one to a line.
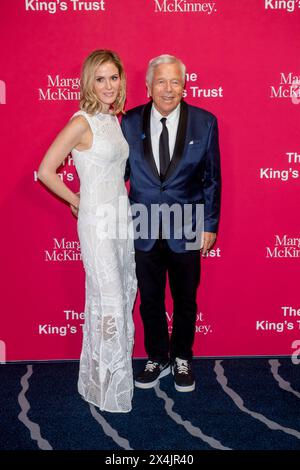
243	65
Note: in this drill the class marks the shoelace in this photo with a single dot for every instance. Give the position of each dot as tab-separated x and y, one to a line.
182	366
151	366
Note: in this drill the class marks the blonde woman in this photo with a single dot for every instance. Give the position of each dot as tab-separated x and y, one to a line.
99	150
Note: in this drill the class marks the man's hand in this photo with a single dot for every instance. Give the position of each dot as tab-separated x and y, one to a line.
209	239
75	209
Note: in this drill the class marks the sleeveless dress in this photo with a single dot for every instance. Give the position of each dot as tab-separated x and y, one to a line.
106	239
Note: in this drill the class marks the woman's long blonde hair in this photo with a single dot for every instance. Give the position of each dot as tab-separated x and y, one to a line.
88	98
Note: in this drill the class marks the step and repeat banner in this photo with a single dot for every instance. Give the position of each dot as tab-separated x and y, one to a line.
243	65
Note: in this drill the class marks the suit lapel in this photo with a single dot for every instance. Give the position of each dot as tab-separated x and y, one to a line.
179	144
180	140
148	153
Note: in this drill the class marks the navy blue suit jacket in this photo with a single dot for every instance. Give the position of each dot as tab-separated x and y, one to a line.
193	176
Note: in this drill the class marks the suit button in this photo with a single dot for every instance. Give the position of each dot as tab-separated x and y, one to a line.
162	189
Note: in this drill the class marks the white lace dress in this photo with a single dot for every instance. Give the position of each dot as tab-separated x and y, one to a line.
105	234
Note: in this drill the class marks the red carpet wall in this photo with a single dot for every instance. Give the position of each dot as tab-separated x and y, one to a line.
243	65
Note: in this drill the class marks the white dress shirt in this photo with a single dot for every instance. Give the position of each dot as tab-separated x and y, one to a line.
156	128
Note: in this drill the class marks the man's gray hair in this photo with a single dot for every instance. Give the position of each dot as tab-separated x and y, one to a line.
163	59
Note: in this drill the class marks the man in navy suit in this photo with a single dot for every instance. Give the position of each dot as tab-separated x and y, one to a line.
173	161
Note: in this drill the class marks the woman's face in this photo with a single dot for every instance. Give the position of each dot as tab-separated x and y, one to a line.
107	84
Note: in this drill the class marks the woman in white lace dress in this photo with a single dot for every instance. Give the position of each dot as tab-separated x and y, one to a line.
100	151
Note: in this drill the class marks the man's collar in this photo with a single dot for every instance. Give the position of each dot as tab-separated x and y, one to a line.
170	118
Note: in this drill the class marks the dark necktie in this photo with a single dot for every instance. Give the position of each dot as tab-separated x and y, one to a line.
164	152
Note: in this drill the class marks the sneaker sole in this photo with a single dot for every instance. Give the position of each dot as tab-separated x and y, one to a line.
189	388
163	373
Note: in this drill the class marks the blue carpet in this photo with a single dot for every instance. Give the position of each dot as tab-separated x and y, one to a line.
238	404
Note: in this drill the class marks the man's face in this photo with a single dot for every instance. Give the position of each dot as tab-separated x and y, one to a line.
166	88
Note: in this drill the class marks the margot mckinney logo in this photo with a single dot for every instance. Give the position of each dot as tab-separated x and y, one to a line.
289	87
184	6
60	88
64	250
284	247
